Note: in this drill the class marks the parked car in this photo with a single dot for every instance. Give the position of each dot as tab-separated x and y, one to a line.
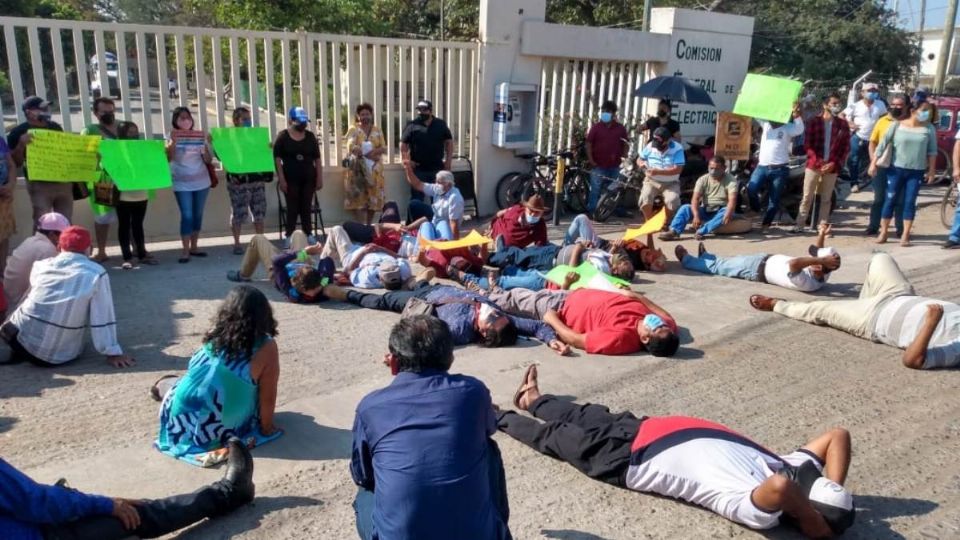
112	69
948	110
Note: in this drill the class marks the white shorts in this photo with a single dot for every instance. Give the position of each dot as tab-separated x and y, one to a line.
106	219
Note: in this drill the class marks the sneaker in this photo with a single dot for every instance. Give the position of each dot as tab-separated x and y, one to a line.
855	188
950	244
669	235
234	275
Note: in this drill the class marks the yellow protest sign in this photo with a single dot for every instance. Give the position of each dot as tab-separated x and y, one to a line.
733	136
56	156
472	239
653	225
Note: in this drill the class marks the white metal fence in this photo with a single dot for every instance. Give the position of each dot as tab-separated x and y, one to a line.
214	70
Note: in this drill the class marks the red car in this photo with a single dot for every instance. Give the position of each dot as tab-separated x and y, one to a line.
948	110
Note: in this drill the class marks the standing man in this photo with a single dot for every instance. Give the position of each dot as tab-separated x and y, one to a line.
953	242
827	143
606	146
248	196
663	159
862	116
663	119
899	110
427	146
44	196
712	205
104	109
773	169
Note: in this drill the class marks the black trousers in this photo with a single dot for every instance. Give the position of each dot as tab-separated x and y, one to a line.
299	198
19	354
359	233
589	437
130	216
390	301
157	517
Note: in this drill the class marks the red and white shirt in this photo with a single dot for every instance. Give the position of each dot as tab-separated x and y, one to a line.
707	464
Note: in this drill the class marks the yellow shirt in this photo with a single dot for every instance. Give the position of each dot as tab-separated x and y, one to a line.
880	128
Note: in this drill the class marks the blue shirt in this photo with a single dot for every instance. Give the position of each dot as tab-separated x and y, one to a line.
461	318
421	446
668	159
25	505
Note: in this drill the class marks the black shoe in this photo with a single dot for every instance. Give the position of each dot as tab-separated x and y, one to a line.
701	249
871	232
950	244
238	477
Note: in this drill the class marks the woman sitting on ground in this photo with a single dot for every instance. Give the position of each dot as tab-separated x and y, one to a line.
230	388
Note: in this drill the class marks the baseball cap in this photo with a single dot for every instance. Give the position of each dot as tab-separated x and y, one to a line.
829	498
390	275
425	105
298	114
34	102
53	221
75	239
921	94
870	86
662	134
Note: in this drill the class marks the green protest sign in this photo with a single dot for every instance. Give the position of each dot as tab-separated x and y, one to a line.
56	156
135	165
243	150
767	98
586	271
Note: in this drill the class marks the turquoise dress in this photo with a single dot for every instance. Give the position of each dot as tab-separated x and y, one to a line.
216	399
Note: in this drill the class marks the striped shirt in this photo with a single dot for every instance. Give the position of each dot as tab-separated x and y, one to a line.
67	293
669	159
900	320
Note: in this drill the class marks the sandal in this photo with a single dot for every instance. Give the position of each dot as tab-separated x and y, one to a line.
100	258
528	375
183	260
127	265
198	253
760	305
237	250
234	275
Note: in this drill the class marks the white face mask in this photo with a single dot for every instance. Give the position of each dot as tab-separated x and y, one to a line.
486	311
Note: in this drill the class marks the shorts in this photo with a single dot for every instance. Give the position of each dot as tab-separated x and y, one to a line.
108	218
247	199
670	192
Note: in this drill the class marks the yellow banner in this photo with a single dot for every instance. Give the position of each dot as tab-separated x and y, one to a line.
472	239
56	156
654	225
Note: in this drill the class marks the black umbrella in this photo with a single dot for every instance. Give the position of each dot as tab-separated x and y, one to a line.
675	89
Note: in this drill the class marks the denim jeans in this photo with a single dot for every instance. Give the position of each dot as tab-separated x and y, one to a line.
879	196
710	221
191	205
776	178
599	178
438	231
858	148
581	228
512	277
902	183
955	230
535	257
742	267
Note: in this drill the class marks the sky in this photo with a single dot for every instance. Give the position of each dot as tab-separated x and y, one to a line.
910	13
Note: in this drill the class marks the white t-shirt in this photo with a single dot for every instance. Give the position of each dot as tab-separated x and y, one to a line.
776	143
900	319
865	116
778	273
713	468
367	274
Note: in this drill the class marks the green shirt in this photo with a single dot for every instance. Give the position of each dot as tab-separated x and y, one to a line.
911	146
714	194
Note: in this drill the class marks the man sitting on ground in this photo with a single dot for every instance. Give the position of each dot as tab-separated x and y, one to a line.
806	274
521	225
294	273
423	455
888	311
31	511
470	316
445	215
42	245
369	266
695	460
68	293
712	205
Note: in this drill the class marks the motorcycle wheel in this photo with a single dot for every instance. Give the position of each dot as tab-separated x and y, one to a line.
509	189
577	193
607	205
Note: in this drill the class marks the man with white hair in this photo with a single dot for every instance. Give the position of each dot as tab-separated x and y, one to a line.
806	274
446	212
862	116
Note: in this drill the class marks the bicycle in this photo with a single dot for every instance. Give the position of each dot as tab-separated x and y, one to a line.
948	206
516	186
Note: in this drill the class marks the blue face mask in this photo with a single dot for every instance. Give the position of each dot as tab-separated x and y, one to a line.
872	96
246	123
652	322
923	116
532	219
606	117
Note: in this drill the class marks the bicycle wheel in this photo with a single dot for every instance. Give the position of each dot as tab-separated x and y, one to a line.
607	205
509	189
948	207
944	174
577	192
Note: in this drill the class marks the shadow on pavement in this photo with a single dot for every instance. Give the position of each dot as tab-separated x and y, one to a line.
568	534
872	513
6	423
245	519
305	440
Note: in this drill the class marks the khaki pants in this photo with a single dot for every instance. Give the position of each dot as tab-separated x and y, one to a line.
338	245
670	192
816	182
884	281
261	251
51	197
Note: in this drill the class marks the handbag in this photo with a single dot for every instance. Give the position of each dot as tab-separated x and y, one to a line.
105	192
80	191
418	306
886	158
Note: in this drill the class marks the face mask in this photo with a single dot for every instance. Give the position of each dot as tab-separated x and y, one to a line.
300	126
107	118
923	116
835	109
366	120
487	312
872	96
43	116
423	117
185	124
896	112
660	145
662	114
652	322
532	219
606	117
247	123
716	173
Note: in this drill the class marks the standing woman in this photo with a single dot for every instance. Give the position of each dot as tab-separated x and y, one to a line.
913	142
363	181
189	155
299	170
131	211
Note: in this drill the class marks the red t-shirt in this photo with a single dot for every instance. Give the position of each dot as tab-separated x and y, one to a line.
606	146
512	226
388	240
608	319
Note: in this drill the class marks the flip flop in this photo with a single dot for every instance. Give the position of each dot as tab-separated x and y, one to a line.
183	260
237	250
525	386
198	253
754	302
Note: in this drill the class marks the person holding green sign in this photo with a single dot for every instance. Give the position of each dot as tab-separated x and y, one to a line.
247	192
104	110
773	169
132	210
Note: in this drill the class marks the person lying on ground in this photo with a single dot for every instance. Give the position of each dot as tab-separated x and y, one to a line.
298	273
230	387
472	318
423	455
32	511
888	311
692	459
645	256
445	215
367	266
68	293
521	225
713	204
534	304
606	322
806	274
42	245
394	237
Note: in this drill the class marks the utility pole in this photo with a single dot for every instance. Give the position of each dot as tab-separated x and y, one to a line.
923	21
945	47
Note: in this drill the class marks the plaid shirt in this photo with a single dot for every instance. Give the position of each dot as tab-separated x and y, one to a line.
814	138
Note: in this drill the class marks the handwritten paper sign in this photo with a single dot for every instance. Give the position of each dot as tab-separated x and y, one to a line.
733	136
136	165
767	98
56	156
243	150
